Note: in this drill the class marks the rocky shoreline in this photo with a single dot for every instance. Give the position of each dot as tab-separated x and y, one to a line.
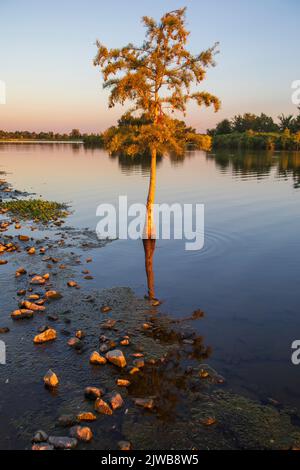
103	369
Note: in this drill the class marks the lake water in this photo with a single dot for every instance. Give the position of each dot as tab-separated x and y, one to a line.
246	278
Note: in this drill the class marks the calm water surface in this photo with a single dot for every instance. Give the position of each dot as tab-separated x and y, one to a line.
246	278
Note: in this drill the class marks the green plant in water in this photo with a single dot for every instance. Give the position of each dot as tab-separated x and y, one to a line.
30	209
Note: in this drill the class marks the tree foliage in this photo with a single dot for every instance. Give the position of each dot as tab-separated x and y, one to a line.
158	78
136	135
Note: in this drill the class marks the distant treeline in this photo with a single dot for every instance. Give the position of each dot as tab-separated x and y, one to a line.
74	135
250	131
262	123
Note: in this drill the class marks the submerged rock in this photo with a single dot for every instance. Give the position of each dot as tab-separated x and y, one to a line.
74	343
4	329
105	309
147	403
109	324
139	363
67	421
116	357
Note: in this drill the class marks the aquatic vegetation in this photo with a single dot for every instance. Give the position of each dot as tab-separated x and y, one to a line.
35	209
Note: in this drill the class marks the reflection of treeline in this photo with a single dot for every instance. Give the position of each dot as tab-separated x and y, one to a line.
250	131
259	164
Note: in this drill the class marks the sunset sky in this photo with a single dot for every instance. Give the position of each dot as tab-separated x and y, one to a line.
47	48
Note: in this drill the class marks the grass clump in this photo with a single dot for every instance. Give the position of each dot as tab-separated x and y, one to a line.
36	209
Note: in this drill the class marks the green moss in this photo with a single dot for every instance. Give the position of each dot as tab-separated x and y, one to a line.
32	209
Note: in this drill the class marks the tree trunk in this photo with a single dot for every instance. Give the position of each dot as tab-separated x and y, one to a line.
150	227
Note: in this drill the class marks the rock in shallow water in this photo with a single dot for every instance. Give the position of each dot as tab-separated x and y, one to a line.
42	446
66	421
82	433
97	359
4	330
124	445
48	335
92	393
102	407
74	343
116	401
123	383
51	379
21	314
147	403
62	442
86	416
40	436
116	357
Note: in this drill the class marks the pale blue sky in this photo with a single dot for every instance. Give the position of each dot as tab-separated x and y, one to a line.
47	49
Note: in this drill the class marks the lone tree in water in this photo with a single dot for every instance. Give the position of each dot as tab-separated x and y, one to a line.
157	78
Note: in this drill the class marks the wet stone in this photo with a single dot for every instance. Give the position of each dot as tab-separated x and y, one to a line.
147	403
109	324
116	357
124	445
87	416
21	314
123	383
74	343
97	359
62	442
4	330
40	436
139	363
47	335
51	379
102	407
82	433
66	421
115	400
105	309
92	393
52	317
42	446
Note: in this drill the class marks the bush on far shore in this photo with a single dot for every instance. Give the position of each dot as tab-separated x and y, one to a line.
258	140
